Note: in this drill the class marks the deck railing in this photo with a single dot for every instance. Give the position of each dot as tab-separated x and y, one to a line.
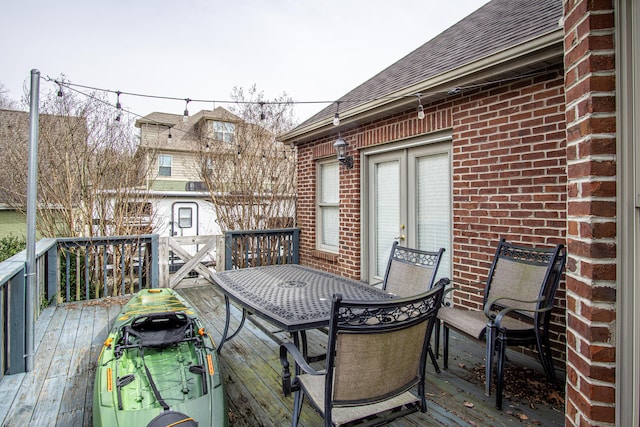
252	248
99	267
69	269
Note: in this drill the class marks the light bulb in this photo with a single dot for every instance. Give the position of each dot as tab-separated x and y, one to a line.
336	119
421	112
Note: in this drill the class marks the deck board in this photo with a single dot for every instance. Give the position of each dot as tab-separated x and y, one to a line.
69	338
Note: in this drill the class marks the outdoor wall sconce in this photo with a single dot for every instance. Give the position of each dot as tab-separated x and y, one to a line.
341	152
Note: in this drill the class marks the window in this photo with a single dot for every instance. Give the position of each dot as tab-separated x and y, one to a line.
185	216
164	165
224	131
328	220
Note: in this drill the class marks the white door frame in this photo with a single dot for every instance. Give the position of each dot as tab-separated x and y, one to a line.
628	208
365	154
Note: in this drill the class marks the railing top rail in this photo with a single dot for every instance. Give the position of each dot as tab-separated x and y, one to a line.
269	231
98	240
13	265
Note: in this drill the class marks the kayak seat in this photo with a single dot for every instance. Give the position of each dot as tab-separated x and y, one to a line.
159	329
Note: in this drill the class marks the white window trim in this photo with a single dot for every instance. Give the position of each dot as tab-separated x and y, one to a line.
320	205
160	166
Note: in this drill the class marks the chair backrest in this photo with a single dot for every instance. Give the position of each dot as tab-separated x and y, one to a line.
377	349
410	271
527	274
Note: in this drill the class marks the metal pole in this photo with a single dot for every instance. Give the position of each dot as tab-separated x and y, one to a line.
32	190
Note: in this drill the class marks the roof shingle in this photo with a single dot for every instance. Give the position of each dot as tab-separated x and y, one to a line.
496	26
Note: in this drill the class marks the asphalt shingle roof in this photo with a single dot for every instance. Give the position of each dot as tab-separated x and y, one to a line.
496	26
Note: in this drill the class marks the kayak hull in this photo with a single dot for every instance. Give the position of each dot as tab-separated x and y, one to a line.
158	359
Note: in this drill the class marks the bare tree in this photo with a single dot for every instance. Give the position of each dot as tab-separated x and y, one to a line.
87	170
5	102
251	178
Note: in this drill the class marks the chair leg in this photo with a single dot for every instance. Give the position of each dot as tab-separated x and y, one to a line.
434	362
297	407
445	345
490	336
437	338
502	350
546	358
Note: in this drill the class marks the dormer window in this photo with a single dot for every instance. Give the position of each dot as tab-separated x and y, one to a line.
224	131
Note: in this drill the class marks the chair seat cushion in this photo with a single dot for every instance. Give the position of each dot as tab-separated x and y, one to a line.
474	322
314	386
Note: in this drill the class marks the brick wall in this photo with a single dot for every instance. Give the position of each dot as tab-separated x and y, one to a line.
509	177
591	269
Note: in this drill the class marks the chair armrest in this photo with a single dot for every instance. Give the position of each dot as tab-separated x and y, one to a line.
453	287
496	318
290	348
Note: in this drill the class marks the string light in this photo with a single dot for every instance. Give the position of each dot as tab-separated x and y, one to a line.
186	109
420	109
118	106
336	117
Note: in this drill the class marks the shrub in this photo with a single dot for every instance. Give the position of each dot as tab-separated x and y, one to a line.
11	245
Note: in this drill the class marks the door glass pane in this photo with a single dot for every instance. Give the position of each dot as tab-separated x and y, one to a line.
386	211
185	218
433	216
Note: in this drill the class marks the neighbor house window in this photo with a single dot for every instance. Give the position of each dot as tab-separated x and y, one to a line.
164	165
224	131
328	221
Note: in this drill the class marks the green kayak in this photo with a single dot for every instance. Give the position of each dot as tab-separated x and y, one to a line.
158	367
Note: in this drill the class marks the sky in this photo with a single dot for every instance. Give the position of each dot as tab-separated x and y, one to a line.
312	50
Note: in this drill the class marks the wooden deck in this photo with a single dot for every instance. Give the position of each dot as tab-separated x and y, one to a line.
68	339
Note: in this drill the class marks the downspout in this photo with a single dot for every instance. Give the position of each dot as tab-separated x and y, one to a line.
32	188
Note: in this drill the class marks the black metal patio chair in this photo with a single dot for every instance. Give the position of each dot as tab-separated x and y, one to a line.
375	356
517	301
410	272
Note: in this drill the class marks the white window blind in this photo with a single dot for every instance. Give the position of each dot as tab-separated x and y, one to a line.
387	211
434	207
164	165
328	206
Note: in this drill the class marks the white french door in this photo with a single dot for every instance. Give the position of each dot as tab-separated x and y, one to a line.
408	199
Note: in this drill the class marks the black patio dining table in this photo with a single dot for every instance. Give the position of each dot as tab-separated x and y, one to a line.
293	297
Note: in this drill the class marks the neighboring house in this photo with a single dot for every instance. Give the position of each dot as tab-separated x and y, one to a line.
13	127
12	222
179	151
54	130
170	143
530	132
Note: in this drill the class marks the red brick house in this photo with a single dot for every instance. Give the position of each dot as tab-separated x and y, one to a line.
530	132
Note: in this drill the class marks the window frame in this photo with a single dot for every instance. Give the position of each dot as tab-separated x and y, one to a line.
162	166
224	133
321	205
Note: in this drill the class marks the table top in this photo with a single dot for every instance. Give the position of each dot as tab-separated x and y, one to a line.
292	296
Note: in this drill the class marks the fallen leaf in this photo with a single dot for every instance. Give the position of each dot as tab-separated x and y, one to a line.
461	365
523	417
469	404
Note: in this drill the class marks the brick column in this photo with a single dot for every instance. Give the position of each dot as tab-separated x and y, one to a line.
591	237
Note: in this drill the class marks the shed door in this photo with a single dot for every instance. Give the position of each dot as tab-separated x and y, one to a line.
184	219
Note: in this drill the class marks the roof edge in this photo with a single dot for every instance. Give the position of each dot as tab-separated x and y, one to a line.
528	52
